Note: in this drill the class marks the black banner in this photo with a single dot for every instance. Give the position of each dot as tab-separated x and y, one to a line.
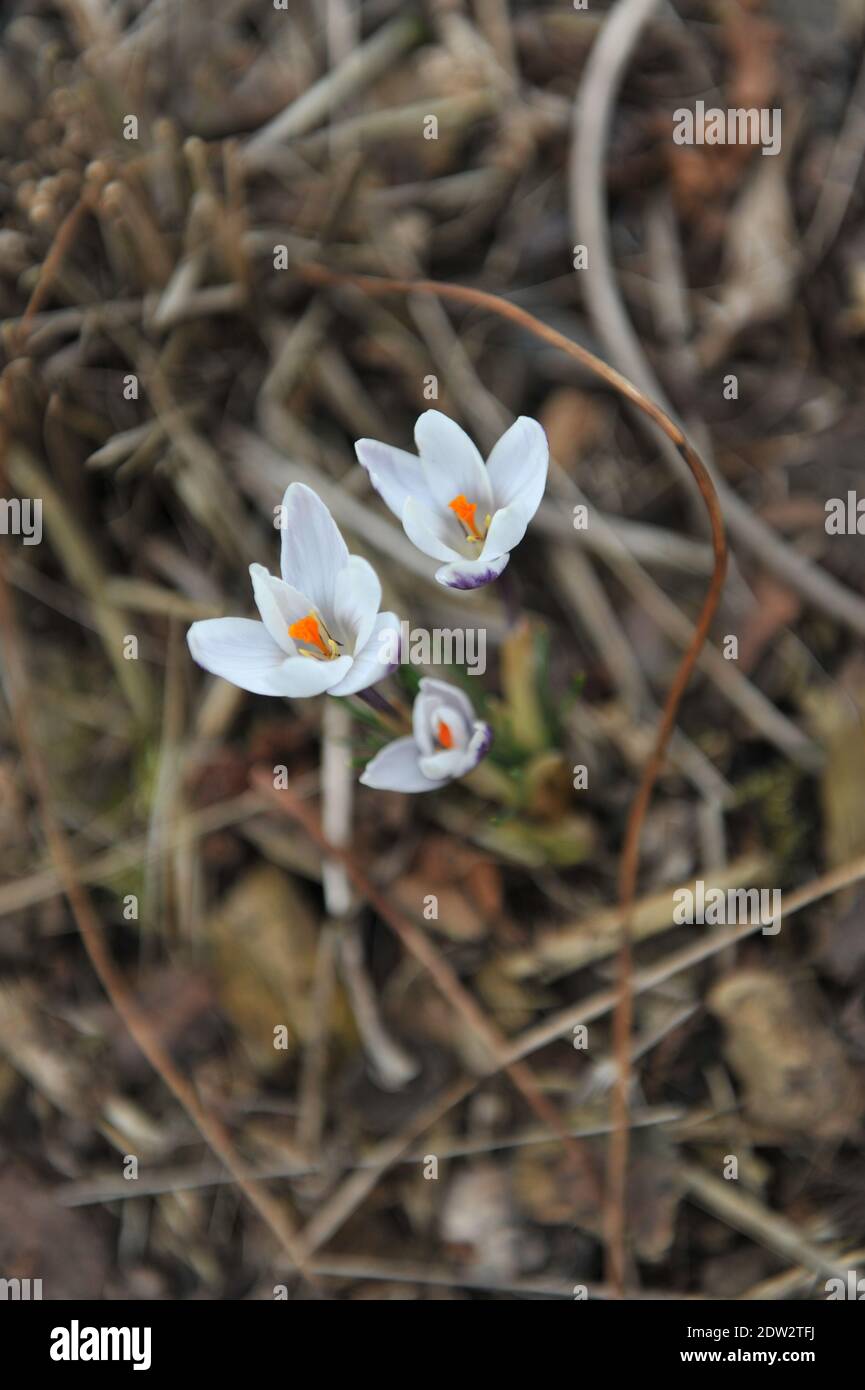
68	1339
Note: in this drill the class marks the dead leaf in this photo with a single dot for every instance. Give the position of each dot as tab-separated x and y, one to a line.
478	1221
263	944
761	261
466	883
793	1070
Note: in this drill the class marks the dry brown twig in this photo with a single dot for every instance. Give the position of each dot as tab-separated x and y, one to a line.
60	246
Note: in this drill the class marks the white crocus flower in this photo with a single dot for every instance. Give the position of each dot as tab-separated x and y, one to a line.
451	505
320	627
447	741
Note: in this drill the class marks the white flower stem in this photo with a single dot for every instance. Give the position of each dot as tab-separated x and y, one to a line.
337	790
392	1066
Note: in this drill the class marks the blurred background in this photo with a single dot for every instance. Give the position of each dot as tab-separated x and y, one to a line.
165	169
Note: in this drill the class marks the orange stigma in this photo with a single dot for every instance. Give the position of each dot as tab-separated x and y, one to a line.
446	738
308	630
466	510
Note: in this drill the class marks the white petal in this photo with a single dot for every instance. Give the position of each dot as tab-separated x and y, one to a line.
451	463
444	764
394	474
356	600
457	727
376	660
457	762
279	605
507	529
449	695
300	676
480	743
397	769
517	466
421	722
430	530
313	551
437	700
238	649
471	574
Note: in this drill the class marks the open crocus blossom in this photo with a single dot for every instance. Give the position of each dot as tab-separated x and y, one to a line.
451	505
320	627
447	741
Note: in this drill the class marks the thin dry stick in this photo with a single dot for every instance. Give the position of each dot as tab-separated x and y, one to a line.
615	1197
61	244
596	1005
743	1211
20	700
